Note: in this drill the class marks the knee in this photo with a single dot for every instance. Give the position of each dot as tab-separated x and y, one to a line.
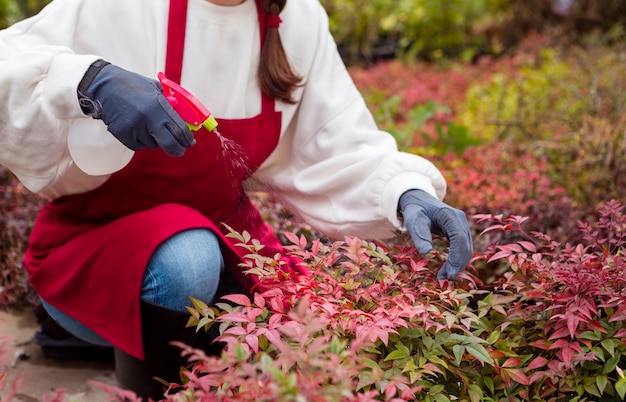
187	264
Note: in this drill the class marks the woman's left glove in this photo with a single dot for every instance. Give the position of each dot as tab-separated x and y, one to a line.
423	215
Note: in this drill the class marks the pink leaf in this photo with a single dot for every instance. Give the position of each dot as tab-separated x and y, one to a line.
242	300
499	255
234	317
253	341
235	331
259	300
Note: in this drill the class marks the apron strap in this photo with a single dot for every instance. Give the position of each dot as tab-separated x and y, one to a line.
267	103
176	24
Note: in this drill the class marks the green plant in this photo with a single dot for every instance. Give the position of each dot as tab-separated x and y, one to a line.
416	28
566	107
12	11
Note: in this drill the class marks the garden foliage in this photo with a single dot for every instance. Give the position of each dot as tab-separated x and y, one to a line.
566	106
18	209
372	323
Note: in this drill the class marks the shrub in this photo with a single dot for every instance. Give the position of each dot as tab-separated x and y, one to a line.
565	107
18	209
373	323
507	179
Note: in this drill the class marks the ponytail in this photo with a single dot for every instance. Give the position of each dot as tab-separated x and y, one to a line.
276	77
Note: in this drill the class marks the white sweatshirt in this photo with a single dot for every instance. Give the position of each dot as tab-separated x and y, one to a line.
333	166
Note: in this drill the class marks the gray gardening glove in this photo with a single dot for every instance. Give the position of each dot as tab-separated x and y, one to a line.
424	215
134	109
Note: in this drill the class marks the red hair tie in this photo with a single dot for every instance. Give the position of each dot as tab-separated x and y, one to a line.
272	21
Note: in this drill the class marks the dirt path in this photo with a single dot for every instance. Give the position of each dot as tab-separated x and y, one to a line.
37	375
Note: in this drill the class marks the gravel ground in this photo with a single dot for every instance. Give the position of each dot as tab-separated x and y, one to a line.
35	376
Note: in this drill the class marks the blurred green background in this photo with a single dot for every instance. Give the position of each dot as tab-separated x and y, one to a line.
431	30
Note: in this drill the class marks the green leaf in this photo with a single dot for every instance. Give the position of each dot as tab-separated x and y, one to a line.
240	353
610	365
437	389
620	387
591	335
397	355
369	363
437	360
475	393
592	389
601	382
489	383
479	352
441	398
494	336
410	366
335	345
609	345
205	322
458	351
198	304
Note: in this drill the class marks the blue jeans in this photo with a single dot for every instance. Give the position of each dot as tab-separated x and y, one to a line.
187	264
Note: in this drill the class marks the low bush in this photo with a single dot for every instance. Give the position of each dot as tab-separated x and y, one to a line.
18	209
372	323
504	178
565	106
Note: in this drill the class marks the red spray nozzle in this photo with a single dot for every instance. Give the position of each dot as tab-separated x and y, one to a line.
194	113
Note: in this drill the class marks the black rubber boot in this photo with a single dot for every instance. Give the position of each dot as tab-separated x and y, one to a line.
162	360
56	343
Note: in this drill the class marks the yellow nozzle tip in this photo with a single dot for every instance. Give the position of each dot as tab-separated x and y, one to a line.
210	123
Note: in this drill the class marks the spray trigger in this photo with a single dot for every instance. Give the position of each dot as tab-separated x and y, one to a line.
189	108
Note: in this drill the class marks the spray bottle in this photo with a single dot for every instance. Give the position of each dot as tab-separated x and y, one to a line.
97	152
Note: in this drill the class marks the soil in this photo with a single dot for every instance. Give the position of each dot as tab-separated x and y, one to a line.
33	376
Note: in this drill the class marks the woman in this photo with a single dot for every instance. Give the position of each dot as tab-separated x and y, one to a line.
115	257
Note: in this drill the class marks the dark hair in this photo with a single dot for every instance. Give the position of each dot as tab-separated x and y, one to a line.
276	77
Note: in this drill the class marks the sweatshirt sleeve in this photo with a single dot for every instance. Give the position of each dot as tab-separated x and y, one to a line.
39	75
36	104
334	167
42	60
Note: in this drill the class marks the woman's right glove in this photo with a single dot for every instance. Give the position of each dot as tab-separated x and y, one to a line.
134	109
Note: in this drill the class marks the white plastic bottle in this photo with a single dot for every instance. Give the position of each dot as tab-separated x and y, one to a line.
94	149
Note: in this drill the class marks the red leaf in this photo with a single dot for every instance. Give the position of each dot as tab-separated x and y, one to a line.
528	246
496	354
512	362
560	333
560	344
568	354
572	324
542	344
537	362
518	376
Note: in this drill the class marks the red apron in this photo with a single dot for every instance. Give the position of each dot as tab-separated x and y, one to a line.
88	252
